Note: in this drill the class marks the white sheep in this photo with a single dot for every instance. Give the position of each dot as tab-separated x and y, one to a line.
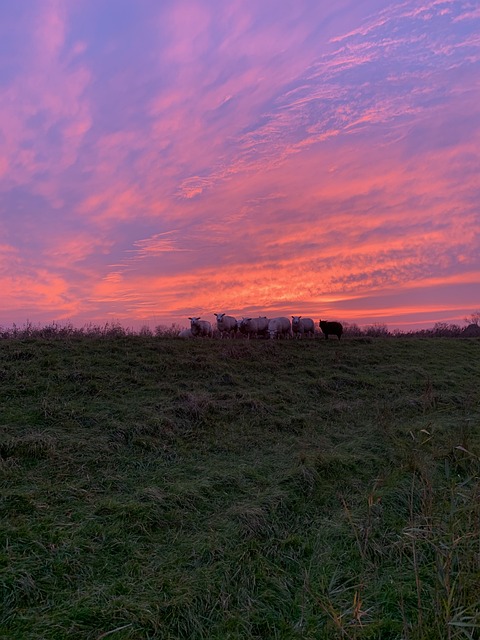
227	325
200	328
302	326
280	327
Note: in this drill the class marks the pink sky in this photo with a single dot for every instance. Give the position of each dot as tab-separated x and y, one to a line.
160	160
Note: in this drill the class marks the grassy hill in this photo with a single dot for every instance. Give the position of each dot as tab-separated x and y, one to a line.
160	488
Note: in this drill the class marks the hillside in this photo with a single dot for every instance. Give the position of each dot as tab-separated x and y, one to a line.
160	488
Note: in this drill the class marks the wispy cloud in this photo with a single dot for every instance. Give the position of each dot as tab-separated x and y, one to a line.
157	244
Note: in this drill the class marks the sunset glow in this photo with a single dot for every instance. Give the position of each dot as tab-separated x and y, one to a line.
160	160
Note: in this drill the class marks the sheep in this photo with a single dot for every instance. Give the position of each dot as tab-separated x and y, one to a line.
227	325
334	328
200	328
302	326
185	333
243	326
254	326
262	326
278	327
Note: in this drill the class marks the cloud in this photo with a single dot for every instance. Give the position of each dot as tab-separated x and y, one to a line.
157	244
44	114
252	162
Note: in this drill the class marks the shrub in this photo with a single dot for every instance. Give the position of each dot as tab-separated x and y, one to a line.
162	331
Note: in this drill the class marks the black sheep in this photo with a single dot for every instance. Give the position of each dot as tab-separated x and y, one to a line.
334	328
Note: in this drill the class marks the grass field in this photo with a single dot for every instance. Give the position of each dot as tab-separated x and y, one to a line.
160	488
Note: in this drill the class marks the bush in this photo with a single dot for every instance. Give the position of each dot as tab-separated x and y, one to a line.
376	331
162	331
352	330
445	330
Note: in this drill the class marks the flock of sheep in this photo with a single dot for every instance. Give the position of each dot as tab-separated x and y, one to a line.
281	327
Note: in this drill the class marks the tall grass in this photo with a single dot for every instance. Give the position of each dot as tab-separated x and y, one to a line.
159	488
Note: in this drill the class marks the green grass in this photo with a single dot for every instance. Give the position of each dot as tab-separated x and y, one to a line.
160	488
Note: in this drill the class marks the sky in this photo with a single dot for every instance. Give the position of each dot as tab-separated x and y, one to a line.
160	160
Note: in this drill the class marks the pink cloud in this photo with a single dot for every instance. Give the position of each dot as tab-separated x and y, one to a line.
157	244
48	95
